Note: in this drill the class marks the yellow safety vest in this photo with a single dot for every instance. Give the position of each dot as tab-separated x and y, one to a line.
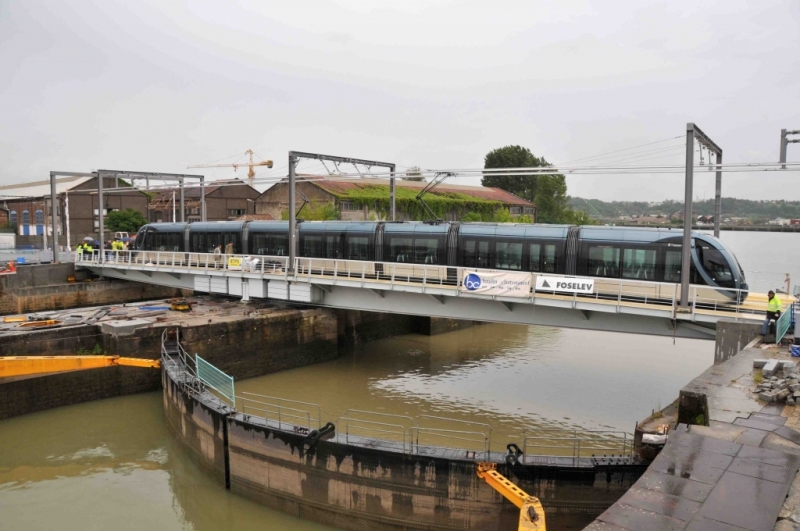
774	304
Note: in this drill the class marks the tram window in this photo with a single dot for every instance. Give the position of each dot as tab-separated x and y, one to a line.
604	261
535	257
716	266
198	242
332	247
258	243
357	248
639	264
400	250
549	259
468	258
508	255
672	266
166	241
278	245
426	251
312	246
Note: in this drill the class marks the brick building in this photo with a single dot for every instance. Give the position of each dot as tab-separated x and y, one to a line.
225	200
30	211
365	199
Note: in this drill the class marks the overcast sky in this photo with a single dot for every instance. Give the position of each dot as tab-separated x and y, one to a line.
156	86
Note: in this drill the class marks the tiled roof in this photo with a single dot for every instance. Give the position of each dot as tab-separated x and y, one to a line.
193	191
480	192
255	217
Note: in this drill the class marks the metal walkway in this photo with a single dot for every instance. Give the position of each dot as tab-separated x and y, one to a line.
616	305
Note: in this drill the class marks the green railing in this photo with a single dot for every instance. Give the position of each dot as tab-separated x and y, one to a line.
215	379
783	323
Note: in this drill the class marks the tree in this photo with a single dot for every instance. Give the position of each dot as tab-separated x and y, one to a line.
547	192
129	220
413	174
513	157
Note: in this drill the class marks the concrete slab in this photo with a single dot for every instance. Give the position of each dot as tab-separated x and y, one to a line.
745	501
123	328
658	502
763	426
752	437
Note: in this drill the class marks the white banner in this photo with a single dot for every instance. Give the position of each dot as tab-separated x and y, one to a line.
505	283
569	285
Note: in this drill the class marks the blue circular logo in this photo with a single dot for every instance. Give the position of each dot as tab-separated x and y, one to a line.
472	282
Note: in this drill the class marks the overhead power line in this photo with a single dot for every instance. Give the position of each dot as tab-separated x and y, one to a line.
621	150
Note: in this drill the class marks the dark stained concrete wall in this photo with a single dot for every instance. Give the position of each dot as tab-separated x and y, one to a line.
78	294
732	337
199	425
358	488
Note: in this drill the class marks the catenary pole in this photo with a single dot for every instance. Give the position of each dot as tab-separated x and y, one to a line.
292	213
687	216
718	198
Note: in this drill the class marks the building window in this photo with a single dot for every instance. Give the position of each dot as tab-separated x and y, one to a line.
12	217
194	211
528	210
26	217
236	212
515	210
39	217
346	206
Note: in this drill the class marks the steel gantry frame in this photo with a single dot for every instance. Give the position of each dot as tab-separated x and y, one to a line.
295	156
785	141
134	176
695	133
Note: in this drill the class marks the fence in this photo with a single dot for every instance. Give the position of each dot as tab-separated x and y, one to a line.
215	379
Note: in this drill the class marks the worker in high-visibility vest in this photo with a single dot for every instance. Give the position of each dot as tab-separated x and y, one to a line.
773	311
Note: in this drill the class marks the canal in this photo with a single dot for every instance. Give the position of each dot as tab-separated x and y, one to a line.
113	464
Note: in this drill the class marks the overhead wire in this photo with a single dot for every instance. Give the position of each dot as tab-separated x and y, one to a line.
601	155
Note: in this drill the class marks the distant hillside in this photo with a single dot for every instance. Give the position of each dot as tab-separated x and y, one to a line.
756	211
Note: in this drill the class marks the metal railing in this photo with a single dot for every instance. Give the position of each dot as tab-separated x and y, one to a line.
358	423
215	379
476	439
783	323
275	409
445	280
580	447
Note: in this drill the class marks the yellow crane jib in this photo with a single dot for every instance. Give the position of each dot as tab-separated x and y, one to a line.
14	366
531	512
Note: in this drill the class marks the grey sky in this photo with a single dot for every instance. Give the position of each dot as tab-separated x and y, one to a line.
153	85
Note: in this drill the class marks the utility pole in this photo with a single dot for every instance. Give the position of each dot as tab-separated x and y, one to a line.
785	141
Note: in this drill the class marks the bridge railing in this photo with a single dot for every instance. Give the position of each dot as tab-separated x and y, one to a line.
446	279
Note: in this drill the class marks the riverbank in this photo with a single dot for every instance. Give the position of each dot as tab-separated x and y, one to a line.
730	463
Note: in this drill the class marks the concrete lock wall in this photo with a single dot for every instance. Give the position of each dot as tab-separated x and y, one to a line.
267	342
355	488
731	338
199	425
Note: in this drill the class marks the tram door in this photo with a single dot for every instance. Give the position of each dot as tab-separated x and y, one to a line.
477	252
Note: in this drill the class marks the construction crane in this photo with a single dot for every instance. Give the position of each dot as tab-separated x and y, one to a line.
531	512
250	165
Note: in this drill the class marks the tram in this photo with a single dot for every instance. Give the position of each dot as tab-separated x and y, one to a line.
647	254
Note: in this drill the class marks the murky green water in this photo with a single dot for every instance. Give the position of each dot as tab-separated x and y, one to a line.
112	464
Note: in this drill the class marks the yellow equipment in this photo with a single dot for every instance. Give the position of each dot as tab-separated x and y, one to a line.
531	512
15	366
250	173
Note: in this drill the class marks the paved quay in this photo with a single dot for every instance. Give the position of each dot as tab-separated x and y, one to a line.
738	473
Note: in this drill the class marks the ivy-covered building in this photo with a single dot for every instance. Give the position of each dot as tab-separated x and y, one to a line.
368	199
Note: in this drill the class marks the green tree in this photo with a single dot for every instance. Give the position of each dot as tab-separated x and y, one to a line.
414	174
129	220
547	192
513	157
